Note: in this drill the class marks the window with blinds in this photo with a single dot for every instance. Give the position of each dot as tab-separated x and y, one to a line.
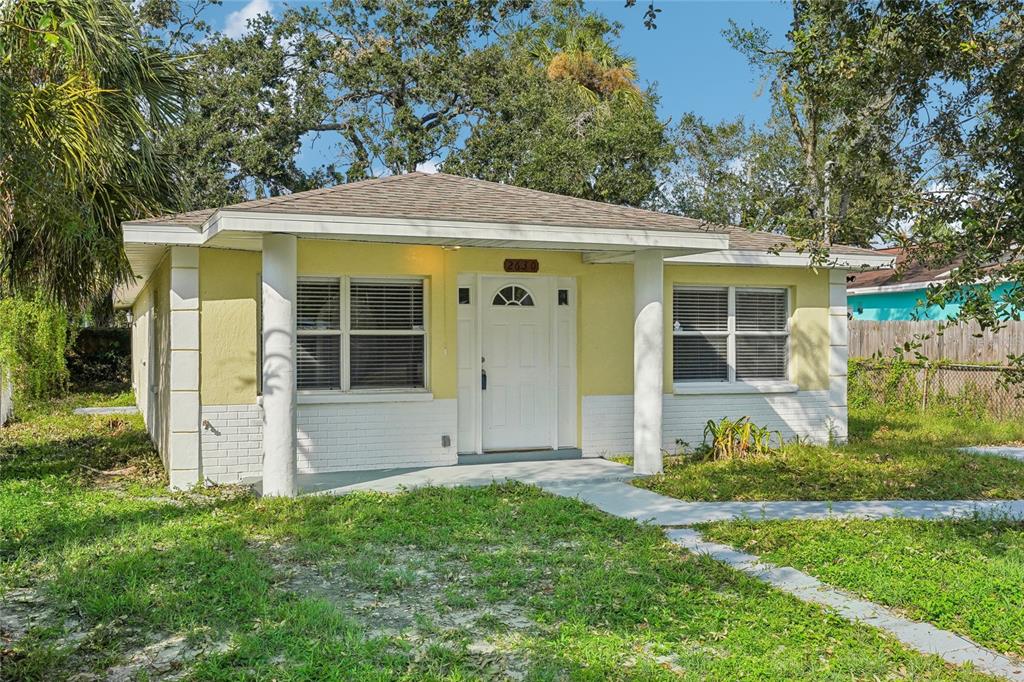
762	334
360	334
700	344
730	334
388	336
319	337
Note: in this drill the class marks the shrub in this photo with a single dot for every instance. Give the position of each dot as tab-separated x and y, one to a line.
34	337
739	439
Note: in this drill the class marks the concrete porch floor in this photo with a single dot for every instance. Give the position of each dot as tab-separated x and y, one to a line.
570	472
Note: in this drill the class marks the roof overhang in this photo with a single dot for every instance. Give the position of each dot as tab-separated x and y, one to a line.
145	242
866	261
245	229
144	258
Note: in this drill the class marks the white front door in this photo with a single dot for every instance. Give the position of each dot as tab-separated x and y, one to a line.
516	360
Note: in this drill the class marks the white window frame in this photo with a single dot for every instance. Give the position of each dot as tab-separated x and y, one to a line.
345	332
731	384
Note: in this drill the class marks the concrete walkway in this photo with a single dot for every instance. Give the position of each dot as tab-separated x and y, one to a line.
643	505
923	637
997	450
626	501
105	410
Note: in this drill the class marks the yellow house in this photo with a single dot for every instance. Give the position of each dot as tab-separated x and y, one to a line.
418	319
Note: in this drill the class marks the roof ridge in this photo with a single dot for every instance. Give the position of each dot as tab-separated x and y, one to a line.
577	201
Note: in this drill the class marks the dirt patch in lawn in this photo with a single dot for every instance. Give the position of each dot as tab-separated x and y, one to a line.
25	615
418	598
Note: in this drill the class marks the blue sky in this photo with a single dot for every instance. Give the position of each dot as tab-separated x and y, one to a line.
689	58
693	66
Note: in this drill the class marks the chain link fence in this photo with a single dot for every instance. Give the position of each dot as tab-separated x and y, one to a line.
967	390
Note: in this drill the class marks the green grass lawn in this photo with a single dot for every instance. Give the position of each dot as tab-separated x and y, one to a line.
964	576
891	455
103	571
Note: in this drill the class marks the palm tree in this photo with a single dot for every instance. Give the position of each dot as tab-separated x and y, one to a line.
579	52
83	99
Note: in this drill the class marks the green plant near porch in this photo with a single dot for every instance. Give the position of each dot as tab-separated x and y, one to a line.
738	439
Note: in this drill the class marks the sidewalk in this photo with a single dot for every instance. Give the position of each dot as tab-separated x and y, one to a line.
630	502
623	500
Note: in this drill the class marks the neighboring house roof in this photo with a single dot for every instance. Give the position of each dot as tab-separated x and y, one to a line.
444	197
908	275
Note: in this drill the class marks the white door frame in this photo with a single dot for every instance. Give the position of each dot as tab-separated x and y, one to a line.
548	286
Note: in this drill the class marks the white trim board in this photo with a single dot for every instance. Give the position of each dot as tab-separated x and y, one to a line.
226	220
787	259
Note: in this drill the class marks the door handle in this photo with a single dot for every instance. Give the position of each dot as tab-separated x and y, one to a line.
483	380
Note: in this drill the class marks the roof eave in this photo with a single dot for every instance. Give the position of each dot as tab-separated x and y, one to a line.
785	259
431	231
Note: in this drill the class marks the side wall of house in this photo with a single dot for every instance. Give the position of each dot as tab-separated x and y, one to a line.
231	418
905	306
151	342
339	434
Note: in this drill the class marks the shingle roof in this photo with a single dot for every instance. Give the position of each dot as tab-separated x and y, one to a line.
440	196
909	270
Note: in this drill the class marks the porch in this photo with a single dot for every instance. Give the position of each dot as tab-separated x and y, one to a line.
540	472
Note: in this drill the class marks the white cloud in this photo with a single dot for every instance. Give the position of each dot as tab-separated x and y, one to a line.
427	167
237	22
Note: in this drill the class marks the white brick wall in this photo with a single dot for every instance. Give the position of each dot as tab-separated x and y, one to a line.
608	420
839	353
332	437
232	442
183	416
347	436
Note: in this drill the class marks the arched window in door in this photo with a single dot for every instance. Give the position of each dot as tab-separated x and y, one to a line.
513	295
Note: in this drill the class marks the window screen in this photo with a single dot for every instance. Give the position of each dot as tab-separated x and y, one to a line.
318	304
380	305
319	362
762	339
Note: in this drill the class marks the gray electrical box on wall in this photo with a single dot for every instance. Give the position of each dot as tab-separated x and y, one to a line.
446	441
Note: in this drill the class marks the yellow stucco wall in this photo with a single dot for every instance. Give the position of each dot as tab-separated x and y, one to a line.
229	288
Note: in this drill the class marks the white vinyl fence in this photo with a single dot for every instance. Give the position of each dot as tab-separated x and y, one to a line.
6	398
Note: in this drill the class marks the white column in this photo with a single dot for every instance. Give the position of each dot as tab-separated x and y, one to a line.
648	360
839	356
183	458
279	283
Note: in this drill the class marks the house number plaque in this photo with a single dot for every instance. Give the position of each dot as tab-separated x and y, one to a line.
522	265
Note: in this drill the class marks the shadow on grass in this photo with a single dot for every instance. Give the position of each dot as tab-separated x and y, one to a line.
607	599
